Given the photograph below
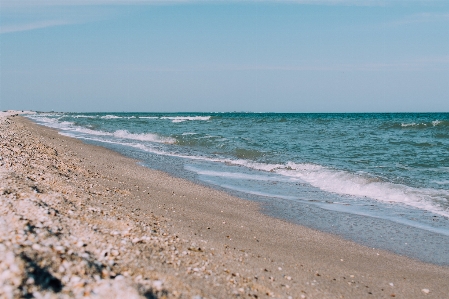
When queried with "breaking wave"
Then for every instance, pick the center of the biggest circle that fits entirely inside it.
(178, 119)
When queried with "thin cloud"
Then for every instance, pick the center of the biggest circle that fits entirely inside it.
(31, 26)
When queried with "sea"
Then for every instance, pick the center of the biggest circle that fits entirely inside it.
(379, 179)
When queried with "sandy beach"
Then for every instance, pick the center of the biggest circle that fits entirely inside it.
(81, 221)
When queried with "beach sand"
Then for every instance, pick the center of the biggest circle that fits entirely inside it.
(78, 220)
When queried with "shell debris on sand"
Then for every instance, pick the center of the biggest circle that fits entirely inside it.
(72, 225)
(55, 243)
(42, 252)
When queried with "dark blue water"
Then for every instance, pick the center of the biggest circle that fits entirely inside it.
(379, 179)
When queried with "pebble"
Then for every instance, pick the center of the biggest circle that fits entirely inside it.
(157, 284)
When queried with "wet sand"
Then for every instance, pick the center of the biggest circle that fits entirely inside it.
(156, 235)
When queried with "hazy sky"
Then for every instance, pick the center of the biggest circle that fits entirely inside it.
(280, 56)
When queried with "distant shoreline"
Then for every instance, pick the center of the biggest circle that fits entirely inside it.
(219, 112)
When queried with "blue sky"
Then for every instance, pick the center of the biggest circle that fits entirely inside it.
(277, 56)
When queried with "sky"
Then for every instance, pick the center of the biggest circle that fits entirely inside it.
(218, 56)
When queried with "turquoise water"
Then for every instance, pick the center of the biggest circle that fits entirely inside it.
(389, 168)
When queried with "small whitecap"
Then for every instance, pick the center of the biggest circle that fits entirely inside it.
(444, 182)
(143, 137)
(110, 117)
(178, 119)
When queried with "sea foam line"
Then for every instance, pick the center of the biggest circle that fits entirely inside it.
(335, 181)
(345, 183)
(336, 207)
(240, 176)
(178, 119)
(124, 134)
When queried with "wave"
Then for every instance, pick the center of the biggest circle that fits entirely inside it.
(240, 176)
(329, 180)
(247, 153)
(178, 119)
(123, 134)
(339, 182)
(174, 119)
(84, 116)
(444, 182)
(346, 183)
(358, 185)
(110, 117)
(143, 137)
(419, 125)
(324, 178)
(52, 122)
(44, 114)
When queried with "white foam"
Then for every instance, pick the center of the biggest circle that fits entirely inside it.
(239, 175)
(47, 121)
(49, 114)
(84, 116)
(444, 182)
(326, 179)
(124, 134)
(110, 117)
(87, 131)
(178, 119)
(254, 165)
(433, 123)
(149, 117)
(66, 123)
(409, 125)
(44, 119)
(143, 137)
(346, 183)
(253, 192)
(69, 126)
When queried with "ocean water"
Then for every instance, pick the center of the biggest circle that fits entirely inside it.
(378, 179)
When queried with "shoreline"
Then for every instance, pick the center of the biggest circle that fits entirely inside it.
(249, 247)
(391, 226)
